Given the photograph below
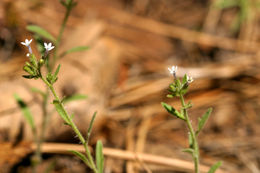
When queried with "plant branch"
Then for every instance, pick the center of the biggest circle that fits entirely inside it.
(195, 145)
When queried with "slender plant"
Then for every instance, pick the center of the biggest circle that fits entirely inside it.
(178, 88)
(33, 68)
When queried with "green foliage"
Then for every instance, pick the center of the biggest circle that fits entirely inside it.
(173, 111)
(179, 88)
(215, 167)
(75, 49)
(81, 156)
(41, 32)
(52, 78)
(90, 126)
(99, 157)
(26, 111)
(188, 150)
(61, 111)
(203, 120)
(74, 97)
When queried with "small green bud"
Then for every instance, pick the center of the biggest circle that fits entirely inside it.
(49, 78)
(29, 70)
(33, 61)
(41, 62)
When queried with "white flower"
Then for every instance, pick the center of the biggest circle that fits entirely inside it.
(27, 54)
(173, 69)
(189, 79)
(48, 47)
(27, 42)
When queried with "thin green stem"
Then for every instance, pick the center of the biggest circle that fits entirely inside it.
(195, 145)
(63, 25)
(73, 126)
(40, 139)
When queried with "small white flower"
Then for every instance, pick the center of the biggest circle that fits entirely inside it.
(173, 69)
(48, 47)
(27, 54)
(189, 79)
(26, 42)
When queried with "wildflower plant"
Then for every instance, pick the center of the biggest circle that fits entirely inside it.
(178, 89)
(33, 68)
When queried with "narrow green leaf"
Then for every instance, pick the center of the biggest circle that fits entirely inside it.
(203, 120)
(74, 98)
(26, 111)
(41, 32)
(81, 156)
(215, 167)
(188, 150)
(169, 96)
(173, 111)
(99, 157)
(54, 77)
(33, 60)
(29, 70)
(178, 83)
(184, 79)
(75, 49)
(90, 126)
(61, 111)
(49, 78)
(28, 76)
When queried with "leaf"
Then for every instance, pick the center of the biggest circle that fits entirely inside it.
(75, 49)
(90, 126)
(173, 111)
(81, 156)
(28, 76)
(41, 32)
(190, 140)
(54, 78)
(74, 98)
(203, 120)
(169, 96)
(99, 156)
(184, 79)
(188, 150)
(178, 83)
(215, 167)
(49, 78)
(33, 60)
(29, 70)
(26, 112)
(61, 111)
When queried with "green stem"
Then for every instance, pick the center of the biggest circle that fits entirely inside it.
(73, 126)
(63, 25)
(195, 145)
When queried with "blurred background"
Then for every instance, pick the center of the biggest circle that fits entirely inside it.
(124, 74)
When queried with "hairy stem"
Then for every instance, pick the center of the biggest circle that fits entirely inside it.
(72, 125)
(195, 145)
